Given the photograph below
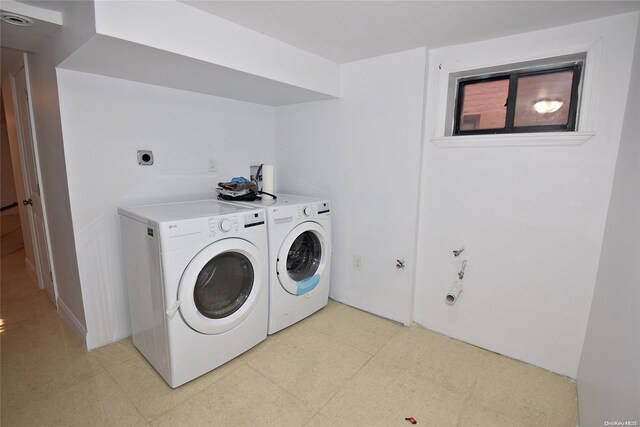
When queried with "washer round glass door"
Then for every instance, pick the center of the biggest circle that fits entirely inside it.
(302, 258)
(220, 286)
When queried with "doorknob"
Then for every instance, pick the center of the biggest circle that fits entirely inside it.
(27, 202)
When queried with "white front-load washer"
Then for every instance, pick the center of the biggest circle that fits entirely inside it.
(299, 231)
(197, 280)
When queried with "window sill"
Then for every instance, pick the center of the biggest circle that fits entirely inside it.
(513, 140)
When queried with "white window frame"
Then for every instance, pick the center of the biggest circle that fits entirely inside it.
(445, 100)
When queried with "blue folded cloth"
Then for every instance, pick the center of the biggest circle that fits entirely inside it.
(239, 180)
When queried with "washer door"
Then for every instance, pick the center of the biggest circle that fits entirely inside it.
(220, 286)
(302, 258)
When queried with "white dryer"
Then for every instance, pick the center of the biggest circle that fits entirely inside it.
(197, 279)
(299, 257)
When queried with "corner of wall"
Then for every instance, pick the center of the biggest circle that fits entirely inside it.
(54, 186)
(73, 322)
(608, 379)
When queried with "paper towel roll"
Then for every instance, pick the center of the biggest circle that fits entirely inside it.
(454, 293)
(268, 179)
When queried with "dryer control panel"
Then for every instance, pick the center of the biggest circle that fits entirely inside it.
(282, 215)
(185, 233)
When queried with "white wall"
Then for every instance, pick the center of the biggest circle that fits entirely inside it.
(363, 151)
(532, 218)
(609, 374)
(171, 44)
(179, 28)
(105, 121)
(78, 25)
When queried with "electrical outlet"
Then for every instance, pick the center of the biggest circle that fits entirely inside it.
(357, 263)
(145, 157)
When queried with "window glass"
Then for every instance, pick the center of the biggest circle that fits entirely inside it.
(543, 99)
(304, 256)
(223, 285)
(484, 105)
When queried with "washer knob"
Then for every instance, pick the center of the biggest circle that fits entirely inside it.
(308, 211)
(225, 225)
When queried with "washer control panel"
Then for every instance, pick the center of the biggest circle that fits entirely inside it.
(312, 210)
(306, 211)
(225, 224)
(253, 219)
(323, 208)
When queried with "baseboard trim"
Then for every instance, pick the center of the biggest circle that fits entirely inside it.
(32, 271)
(71, 320)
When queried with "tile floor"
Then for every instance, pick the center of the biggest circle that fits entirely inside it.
(340, 366)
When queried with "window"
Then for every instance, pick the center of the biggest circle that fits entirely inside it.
(539, 98)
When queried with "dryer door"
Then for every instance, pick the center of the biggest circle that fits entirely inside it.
(221, 286)
(302, 258)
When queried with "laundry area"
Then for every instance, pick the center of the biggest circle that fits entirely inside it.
(320, 213)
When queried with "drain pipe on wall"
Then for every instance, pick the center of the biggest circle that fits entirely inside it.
(456, 287)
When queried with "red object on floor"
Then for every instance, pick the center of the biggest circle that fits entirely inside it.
(411, 420)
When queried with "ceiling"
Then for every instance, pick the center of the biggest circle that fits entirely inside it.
(46, 17)
(55, 5)
(345, 31)
(25, 38)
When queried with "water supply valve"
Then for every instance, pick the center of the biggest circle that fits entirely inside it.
(461, 272)
(457, 252)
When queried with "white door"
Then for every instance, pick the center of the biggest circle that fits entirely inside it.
(33, 198)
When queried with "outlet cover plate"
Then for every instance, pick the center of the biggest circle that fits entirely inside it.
(145, 157)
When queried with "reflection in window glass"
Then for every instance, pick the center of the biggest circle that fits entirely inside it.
(543, 99)
(484, 105)
(540, 98)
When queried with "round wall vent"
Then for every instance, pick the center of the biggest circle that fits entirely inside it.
(19, 20)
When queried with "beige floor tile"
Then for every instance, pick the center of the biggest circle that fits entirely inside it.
(116, 354)
(26, 308)
(476, 415)
(38, 374)
(242, 398)
(48, 351)
(526, 394)
(149, 392)
(357, 328)
(13, 265)
(15, 283)
(448, 362)
(271, 341)
(95, 401)
(37, 335)
(11, 234)
(48, 378)
(384, 395)
(309, 364)
(319, 420)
